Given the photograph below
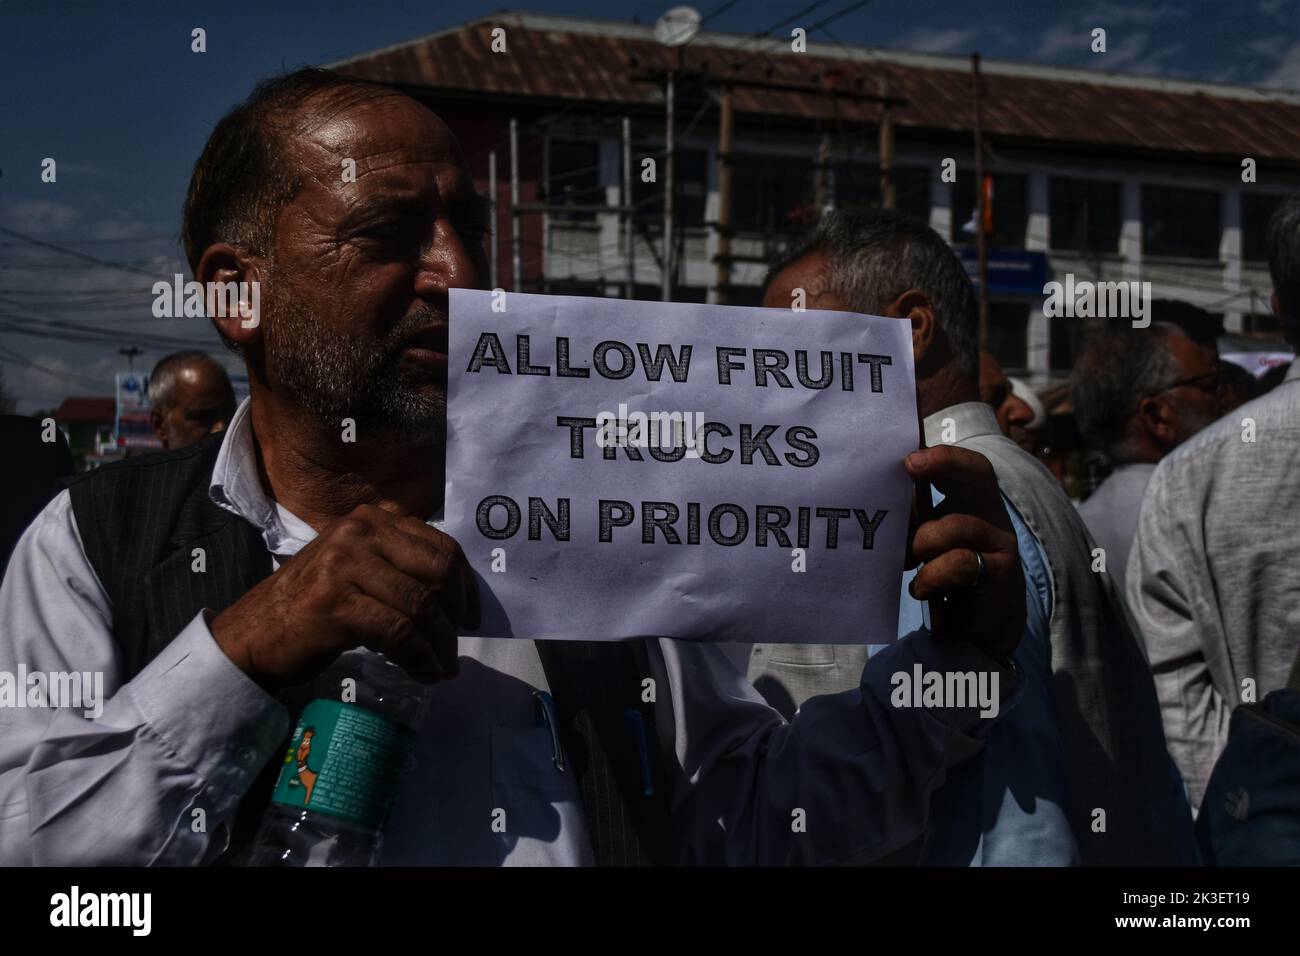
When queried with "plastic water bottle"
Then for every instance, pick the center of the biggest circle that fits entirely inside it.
(344, 765)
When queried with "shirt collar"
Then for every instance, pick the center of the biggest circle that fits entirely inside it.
(969, 420)
(237, 487)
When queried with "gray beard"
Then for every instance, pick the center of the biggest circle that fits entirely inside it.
(336, 376)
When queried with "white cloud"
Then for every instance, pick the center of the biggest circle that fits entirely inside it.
(32, 388)
(1286, 71)
(1061, 37)
(1129, 51)
(1271, 8)
(1229, 74)
(1108, 13)
(1269, 47)
(1072, 35)
(53, 216)
(937, 41)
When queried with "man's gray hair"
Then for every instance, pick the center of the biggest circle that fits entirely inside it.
(1283, 243)
(1116, 369)
(162, 380)
(876, 255)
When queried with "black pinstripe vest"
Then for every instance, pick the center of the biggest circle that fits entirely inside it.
(140, 521)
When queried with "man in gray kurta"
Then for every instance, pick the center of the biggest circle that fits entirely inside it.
(1138, 394)
(1214, 576)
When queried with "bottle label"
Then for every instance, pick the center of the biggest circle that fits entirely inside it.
(344, 761)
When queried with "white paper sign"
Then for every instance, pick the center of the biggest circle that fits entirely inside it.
(776, 511)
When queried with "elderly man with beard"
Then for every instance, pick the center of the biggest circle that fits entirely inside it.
(1138, 394)
(315, 545)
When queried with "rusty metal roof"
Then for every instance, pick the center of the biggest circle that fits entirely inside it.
(558, 59)
(78, 409)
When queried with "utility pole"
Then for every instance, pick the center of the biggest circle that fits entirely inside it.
(516, 253)
(726, 137)
(668, 257)
(493, 241)
(888, 195)
(130, 354)
(822, 190)
(629, 248)
(981, 237)
(724, 259)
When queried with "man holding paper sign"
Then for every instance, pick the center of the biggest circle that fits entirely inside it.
(322, 513)
(709, 472)
(1086, 741)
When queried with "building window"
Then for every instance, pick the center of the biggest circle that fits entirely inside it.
(1009, 334)
(1180, 222)
(859, 184)
(1063, 347)
(573, 179)
(1010, 209)
(772, 193)
(691, 189)
(1261, 323)
(1256, 210)
(1084, 215)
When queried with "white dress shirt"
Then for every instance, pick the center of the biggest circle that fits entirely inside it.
(191, 731)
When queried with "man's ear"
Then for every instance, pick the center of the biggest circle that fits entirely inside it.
(914, 305)
(1159, 422)
(224, 263)
(156, 422)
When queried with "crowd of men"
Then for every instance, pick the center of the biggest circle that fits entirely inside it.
(1125, 632)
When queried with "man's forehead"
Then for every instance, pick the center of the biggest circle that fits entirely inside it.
(808, 272)
(384, 133)
(193, 373)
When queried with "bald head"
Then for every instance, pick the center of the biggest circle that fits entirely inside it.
(190, 396)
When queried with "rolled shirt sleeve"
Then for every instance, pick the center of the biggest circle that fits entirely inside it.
(156, 777)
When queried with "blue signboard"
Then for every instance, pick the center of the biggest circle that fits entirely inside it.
(1011, 271)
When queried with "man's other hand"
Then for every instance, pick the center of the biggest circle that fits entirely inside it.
(981, 599)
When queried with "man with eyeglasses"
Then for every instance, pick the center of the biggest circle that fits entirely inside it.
(1138, 394)
(1214, 576)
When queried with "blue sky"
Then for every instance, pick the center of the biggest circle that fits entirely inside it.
(114, 94)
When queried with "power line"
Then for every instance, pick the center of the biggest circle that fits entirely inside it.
(106, 263)
(73, 292)
(18, 358)
(718, 11)
(97, 242)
